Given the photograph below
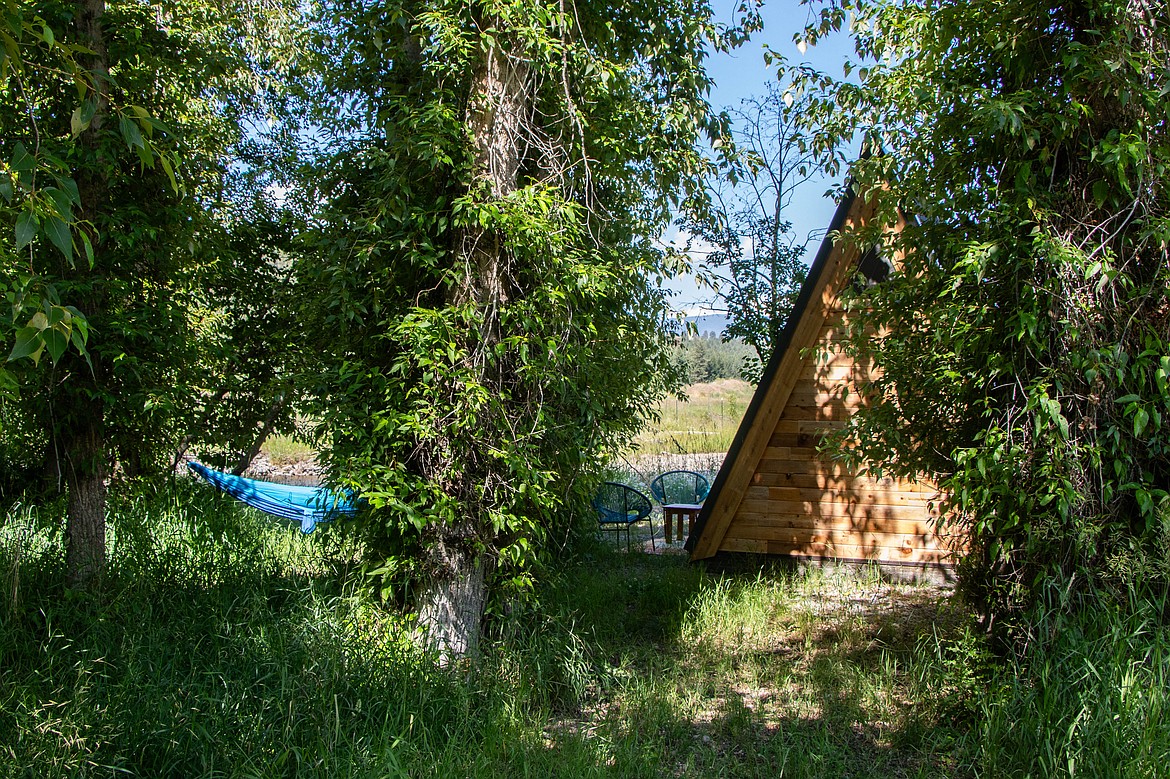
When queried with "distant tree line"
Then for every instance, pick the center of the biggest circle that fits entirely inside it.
(708, 357)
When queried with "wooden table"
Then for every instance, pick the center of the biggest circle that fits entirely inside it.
(676, 512)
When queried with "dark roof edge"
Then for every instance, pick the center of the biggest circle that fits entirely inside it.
(773, 366)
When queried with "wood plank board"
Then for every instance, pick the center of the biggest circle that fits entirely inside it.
(831, 405)
(805, 395)
(780, 508)
(766, 525)
(832, 375)
(743, 545)
(847, 552)
(822, 358)
(838, 264)
(806, 465)
(877, 497)
(840, 549)
(887, 547)
(821, 480)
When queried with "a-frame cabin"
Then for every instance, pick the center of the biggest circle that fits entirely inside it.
(775, 493)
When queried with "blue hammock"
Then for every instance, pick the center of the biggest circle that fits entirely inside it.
(307, 505)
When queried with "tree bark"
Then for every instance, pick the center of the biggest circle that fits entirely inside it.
(450, 609)
(81, 414)
(85, 528)
(496, 116)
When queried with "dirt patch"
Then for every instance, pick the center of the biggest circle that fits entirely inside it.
(304, 472)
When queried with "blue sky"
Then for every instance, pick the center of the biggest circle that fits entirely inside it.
(742, 74)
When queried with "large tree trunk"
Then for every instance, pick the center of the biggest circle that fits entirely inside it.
(85, 528)
(451, 605)
(82, 428)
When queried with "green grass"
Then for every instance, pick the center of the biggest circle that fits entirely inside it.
(1090, 696)
(705, 422)
(224, 645)
(284, 450)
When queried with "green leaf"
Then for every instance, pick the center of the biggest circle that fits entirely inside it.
(62, 202)
(6, 188)
(56, 343)
(22, 161)
(76, 126)
(9, 388)
(26, 229)
(79, 81)
(13, 51)
(88, 111)
(130, 133)
(69, 186)
(1140, 420)
(29, 343)
(145, 155)
(58, 232)
(1100, 192)
(87, 246)
(166, 166)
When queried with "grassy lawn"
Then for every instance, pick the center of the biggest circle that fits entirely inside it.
(225, 645)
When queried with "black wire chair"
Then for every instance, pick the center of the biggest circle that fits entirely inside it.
(680, 487)
(619, 506)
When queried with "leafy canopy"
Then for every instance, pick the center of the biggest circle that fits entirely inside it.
(485, 346)
(1026, 340)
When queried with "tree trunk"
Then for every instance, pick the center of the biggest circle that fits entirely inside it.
(81, 414)
(450, 608)
(497, 113)
(85, 528)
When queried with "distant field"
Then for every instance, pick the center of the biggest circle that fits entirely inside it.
(705, 422)
(284, 450)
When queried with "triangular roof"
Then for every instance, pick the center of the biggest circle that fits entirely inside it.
(832, 267)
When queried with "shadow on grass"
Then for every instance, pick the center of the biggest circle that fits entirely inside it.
(225, 648)
(758, 673)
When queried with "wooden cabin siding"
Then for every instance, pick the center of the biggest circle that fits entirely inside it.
(776, 494)
(803, 503)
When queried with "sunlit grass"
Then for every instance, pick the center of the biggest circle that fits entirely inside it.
(705, 421)
(223, 644)
(285, 450)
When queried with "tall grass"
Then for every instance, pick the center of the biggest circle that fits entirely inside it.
(284, 450)
(1089, 697)
(222, 644)
(704, 422)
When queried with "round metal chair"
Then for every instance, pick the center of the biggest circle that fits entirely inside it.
(680, 487)
(619, 506)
